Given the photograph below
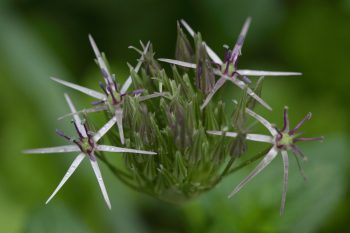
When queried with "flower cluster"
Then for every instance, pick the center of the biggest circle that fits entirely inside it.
(172, 117)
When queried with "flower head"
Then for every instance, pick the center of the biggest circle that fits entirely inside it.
(112, 98)
(281, 140)
(227, 69)
(87, 145)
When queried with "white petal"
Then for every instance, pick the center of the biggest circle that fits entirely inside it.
(266, 73)
(260, 138)
(244, 86)
(151, 96)
(266, 161)
(105, 129)
(216, 59)
(285, 180)
(262, 121)
(123, 150)
(210, 52)
(128, 82)
(216, 87)
(82, 89)
(251, 137)
(76, 117)
(220, 133)
(100, 59)
(179, 63)
(98, 175)
(119, 118)
(239, 44)
(58, 149)
(187, 27)
(70, 171)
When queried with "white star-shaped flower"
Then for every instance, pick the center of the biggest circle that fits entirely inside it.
(227, 69)
(111, 99)
(87, 146)
(281, 141)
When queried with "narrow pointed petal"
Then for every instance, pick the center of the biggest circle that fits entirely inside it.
(84, 111)
(105, 129)
(250, 92)
(76, 117)
(100, 60)
(260, 138)
(266, 161)
(213, 56)
(187, 27)
(128, 82)
(179, 63)
(267, 73)
(220, 133)
(252, 137)
(49, 150)
(262, 121)
(82, 89)
(119, 120)
(240, 41)
(123, 150)
(285, 180)
(98, 175)
(70, 171)
(151, 96)
(216, 87)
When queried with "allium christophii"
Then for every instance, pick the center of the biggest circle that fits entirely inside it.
(176, 120)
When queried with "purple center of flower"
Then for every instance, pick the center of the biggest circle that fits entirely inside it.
(86, 143)
(287, 138)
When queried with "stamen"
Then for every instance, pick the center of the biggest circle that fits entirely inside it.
(97, 102)
(86, 128)
(103, 87)
(285, 120)
(114, 82)
(307, 117)
(77, 129)
(309, 139)
(298, 152)
(112, 95)
(279, 133)
(60, 133)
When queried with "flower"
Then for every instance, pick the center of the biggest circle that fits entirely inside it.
(111, 99)
(282, 140)
(227, 69)
(87, 145)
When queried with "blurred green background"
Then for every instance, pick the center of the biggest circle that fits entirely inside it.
(41, 38)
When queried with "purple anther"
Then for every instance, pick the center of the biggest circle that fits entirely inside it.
(307, 117)
(285, 120)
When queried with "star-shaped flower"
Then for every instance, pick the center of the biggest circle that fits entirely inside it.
(111, 99)
(87, 145)
(281, 140)
(227, 69)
